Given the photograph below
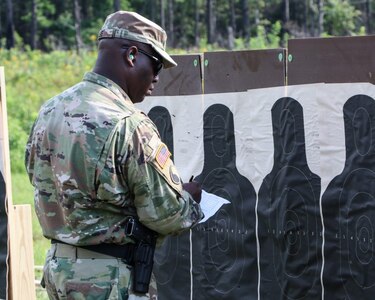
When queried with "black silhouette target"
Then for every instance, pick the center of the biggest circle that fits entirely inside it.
(349, 209)
(224, 247)
(172, 259)
(288, 224)
(223, 254)
(289, 215)
(359, 216)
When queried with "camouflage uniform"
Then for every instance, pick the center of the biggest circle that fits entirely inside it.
(94, 160)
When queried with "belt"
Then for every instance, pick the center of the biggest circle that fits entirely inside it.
(103, 251)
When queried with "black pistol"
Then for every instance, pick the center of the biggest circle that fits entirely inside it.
(145, 239)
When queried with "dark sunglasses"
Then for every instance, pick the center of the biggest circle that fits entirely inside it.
(157, 63)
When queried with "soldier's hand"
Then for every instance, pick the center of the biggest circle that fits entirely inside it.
(194, 189)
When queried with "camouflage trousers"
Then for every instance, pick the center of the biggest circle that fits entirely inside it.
(74, 273)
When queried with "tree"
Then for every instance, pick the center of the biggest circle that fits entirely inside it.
(286, 11)
(211, 21)
(1, 24)
(196, 23)
(232, 14)
(232, 26)
(246, 22)
(34, 24)
(62, 24)
(368, 16)
(10, 25)
(340, 18)
(153, 10)
(162, 14)
(170, 23)
(321, 17)
(116, 5)
(77, 25)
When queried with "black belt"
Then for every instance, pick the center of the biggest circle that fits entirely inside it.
(125, 252)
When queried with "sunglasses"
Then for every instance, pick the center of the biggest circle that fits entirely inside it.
(157, 63)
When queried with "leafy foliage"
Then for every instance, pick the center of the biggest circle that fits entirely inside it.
(187, 21)
(32, 77)
(341, 18)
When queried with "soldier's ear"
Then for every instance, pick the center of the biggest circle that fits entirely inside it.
(131, 55)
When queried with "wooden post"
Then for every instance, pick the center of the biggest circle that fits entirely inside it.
(20, 243)
(22, 284)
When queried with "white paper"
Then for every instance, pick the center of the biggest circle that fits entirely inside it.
(210, 204)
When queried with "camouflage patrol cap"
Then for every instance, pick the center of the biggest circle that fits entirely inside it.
(132, 26)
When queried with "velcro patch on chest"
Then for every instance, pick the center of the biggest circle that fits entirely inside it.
(162, 155)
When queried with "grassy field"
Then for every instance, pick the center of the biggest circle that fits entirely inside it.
(32, 77)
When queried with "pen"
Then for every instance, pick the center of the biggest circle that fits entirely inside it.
(191, 178)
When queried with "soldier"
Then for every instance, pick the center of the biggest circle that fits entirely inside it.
(101, 173)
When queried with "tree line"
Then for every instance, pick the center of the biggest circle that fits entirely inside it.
(191, 24)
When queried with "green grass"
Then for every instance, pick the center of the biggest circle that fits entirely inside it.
(32, 77)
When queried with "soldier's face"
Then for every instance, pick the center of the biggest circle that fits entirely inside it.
(148, 68)
(157, 62)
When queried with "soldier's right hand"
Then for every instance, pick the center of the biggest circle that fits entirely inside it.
(194, 189)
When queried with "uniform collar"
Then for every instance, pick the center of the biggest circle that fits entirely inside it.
(107, 83)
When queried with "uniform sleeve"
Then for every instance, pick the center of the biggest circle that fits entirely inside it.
(29, 155)
(161, 203)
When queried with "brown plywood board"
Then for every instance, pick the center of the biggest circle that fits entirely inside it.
(237, 71)
(185, 79)
(331, 60)
(21, 253)
(17, 235)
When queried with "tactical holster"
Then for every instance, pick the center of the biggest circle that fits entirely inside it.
(144, 254)
(139, 255)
